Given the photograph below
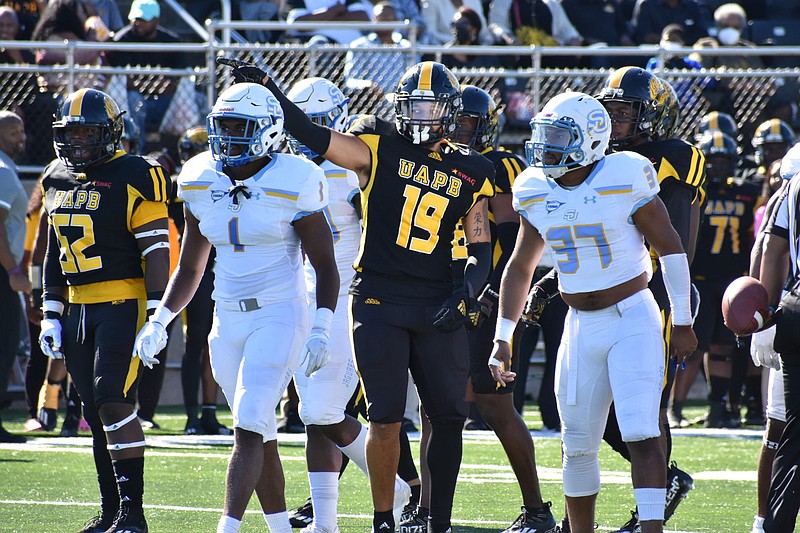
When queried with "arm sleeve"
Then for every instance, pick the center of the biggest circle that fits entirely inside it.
(478, 265)
(678, 201)
(53, 275)
(506, 237)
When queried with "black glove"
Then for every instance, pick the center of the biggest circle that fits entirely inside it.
(243, 72)
(453, 313)
(481, 309)
(534, 306)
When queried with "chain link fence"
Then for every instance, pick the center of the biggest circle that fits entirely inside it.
(367, 76)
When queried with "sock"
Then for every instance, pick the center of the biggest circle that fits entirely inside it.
(228, 524)
(416, 492)
(109, 493)
(718, 388)
(444, 461)
(383, 522)
(677, 408)
(406, 468)
(357, 450)
(423, 512)
(130, 480)
(209, 412)
(325, 496)
(277, 522)
(49, 396)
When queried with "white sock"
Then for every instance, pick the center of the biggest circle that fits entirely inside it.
(758, 524)
(324, 496)
(357, 450)
(228, 524)
(278, 522)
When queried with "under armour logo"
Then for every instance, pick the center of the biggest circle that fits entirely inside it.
(587, 199)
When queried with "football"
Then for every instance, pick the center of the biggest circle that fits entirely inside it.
(745, 306)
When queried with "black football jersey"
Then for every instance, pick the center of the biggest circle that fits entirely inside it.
(412, 204)
(507, 166)
(93, 214)
(726, 233)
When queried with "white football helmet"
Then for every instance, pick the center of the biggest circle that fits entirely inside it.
(572, 130)
(324, 104)
(263, 126)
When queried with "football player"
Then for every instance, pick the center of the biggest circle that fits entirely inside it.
(256, 208)
(107, 263)
(478, 128)
(325, 394)
(196, 364)
(415, 187)
(771, 141)
(723, 254)
(644, 111)
(578, 204)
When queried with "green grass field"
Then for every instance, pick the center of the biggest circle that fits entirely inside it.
(49, 484)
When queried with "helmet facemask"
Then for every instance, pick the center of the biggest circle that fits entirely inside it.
(237, 143)
(555, 146)
(426, 118)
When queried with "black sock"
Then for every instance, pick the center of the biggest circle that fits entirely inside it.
(383, 522)
(718, 388)
(209, 412)
(416, 492)
(130, 481)
(109, 495)
(406, 468)
(444, 461)
(423, 512)
(677, 408)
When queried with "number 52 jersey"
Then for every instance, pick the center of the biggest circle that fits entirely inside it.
(588, 230)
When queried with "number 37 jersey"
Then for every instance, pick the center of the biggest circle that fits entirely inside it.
(589, 231)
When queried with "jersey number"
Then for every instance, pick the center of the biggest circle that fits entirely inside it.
(233, 234)
(423, 212)
(562, 240)
(720, 223)
(73, 259)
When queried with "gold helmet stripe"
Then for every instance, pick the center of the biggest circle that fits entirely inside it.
(616, 77)
(425, 74)
(77, 103)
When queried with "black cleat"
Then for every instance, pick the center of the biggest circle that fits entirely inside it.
(70, 426)
(193, 427)
(679, 483)
(48, 418)
(213, 427)
(631, 526)
(291, 423)
(11, 438)
(129, 521)
(540, 522)
(302, 516)
(97, 524)
(414, 524)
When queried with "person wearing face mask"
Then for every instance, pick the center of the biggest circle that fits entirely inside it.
(730, 20)
(465, 28)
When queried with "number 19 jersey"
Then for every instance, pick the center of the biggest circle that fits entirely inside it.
(411, 204)
(588, 230)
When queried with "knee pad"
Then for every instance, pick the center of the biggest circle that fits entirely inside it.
(319, 412)
(581, 474)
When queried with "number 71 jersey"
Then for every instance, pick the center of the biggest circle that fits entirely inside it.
(588, 230)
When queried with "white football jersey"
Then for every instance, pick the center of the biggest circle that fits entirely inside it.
(588, 230)
(258, 251)
(345, 226)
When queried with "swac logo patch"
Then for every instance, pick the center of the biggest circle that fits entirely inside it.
(597, 121)
(552, 205)
(216, 196)
(435, 155)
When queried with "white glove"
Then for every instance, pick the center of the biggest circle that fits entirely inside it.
(762, 351)
(316, 350)
(50, 338)
(149, 342)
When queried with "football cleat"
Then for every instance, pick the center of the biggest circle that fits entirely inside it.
(32, 424)
(193, 427)
(302, 516)
(213, 427)
(408, 511)
(540, 522)
(97, 524)
(70, 426)
(414, 524)
(128, 521)
(679, 483)
(676, 420)
(48, 418)
(631, 526)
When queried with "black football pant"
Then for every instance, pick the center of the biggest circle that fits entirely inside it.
(784, 490)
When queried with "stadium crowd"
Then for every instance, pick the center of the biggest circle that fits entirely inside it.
(468, 253)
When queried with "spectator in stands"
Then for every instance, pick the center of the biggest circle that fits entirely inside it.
(438, 15)
(262, 11)
(651, 16)
(534, 22)
(328, 11)
(782, 9)
(28, 13)
(10, 31)
(382, 70)
(465, 28)
(108, 11)
(410, 10)
(13, 278)
(730, 22)
(600, 22)
(148, 100)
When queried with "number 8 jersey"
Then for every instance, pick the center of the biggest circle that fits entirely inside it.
(588, 230)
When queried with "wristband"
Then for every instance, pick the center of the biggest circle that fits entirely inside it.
(323, 318)
(163, 316)
(504, 331)
(14, 271)
(53, 306)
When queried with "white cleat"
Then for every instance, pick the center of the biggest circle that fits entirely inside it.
(402, 493)
(313, 528)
